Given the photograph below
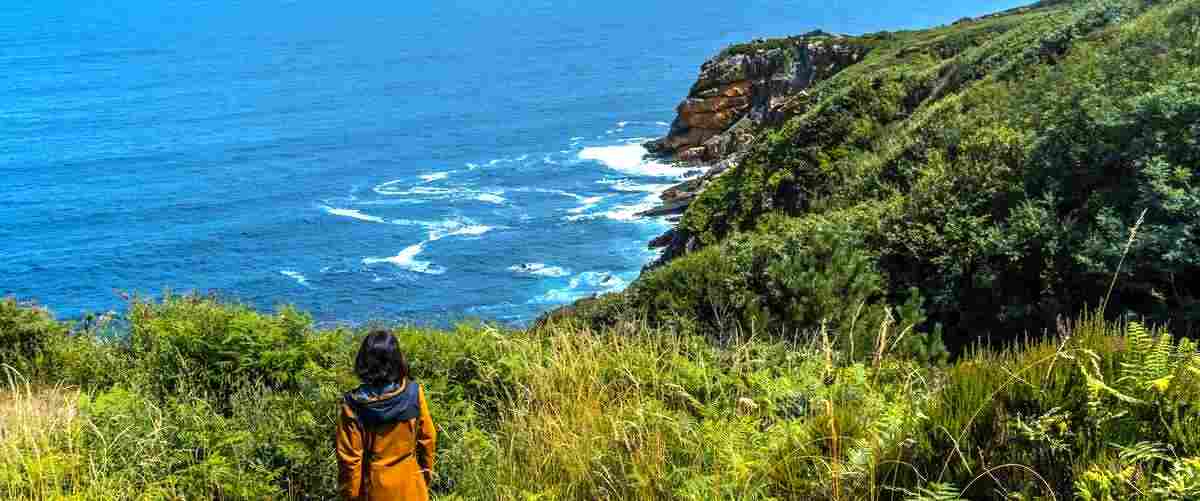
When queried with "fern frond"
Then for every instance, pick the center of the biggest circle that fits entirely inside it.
(935, 491)
(1142, 452)
(1158, 363)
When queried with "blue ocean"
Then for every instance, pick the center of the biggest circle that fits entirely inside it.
(412, 161)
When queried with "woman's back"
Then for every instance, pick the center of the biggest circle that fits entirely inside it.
(385, 442)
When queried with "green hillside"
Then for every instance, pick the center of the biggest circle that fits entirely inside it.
(989, 172)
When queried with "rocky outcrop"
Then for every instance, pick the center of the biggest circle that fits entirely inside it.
(740, 92)
(744, 88)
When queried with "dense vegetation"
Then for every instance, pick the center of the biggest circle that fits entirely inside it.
(210, 400)
(880, 310)
(996, 166)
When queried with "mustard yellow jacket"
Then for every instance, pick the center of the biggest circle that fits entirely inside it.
(385, 444)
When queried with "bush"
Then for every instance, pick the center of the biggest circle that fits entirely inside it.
(26, 334)
(196, 343)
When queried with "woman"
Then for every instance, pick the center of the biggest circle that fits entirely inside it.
(385, 437)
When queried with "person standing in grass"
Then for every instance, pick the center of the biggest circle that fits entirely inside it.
(385, 437)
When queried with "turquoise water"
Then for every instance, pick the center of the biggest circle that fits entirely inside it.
(401, 160)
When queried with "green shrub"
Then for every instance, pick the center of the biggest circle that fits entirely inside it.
(202, 344)
(26, 334)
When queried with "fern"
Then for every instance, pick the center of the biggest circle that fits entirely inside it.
(1142, 452)
(1153, 362)
(935, 491)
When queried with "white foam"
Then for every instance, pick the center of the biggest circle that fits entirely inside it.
(353, 213)
(627, 185)
(472, 231)
(555, 192)
(626, 213)
(428, 191)
(629, 159)
(387, 189)
(588, 203)
(407, 259)
(297, 276)
(424, 193)
(435, 176)
(539, 269)
(664, 124)
(582, 285)
(603, 280)
(559, 192)
(455, 227)
(621, 125)
(491, 198)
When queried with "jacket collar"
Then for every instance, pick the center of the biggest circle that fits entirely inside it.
(376, 406)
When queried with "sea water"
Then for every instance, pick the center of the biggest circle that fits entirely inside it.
(420, 161)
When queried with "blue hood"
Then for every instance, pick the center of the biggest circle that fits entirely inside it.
(377, 406)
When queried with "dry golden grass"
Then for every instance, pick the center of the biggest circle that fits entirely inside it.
(38, 453)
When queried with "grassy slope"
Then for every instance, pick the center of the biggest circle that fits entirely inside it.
(210, 400)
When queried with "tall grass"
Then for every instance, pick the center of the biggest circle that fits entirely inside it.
(631, 412)
(36, 456)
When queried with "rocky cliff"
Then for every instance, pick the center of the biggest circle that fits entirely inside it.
(745, 88)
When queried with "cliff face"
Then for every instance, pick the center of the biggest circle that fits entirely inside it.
(742, 91)
(745, 88)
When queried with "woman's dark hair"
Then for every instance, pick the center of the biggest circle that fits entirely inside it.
(379, 361)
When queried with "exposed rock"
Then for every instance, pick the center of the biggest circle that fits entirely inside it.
(738, 93)
(718, 120)
(676, 206)
(662, 240)
(713, 104)
(695, 154)
(681, 190)
(693, 137)
(724, 70)
(753, 84)
(737, 89)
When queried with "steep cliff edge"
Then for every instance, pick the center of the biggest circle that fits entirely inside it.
(745, 88)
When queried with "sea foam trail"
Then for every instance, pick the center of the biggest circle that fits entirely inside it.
(539, 269)
(630, 159)
(427, 191)
(438, 231)
(353, 213)
(491, 198)
(628, 186)
(436, 176)
(588, 203)
(406, 259)
(424, 193)
(297, 276)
